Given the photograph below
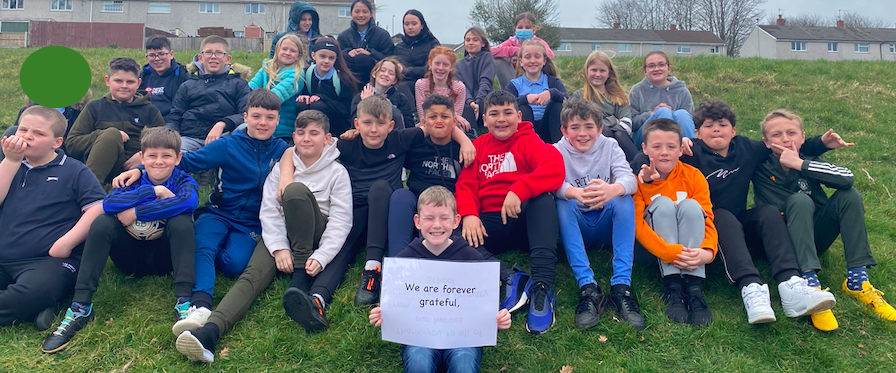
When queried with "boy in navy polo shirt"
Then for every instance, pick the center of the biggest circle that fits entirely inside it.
(162, 194)
(47, 203)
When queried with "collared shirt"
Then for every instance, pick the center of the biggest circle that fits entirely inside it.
(525, 87)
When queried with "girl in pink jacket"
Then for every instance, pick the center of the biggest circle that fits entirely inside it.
(505, 54)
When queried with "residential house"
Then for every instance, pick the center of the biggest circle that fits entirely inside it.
(780, 41)
(626, 43)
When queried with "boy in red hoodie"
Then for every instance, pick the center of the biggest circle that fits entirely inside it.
(511, 179)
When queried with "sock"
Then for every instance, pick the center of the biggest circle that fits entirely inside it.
(855, 277)
(81, 309)
(812, 277)
(321, 299)
(208, 336)
(691, 281)
(182, 300)
(673, 281)
(372, 264)
(300, 280)
(202, 299)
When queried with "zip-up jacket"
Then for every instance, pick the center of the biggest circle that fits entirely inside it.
(413, 52)
(287, 89)
(612, 114)
(511, 47)
(292, 27)
(130, 117)
(161, 89)
(142, 197)
(772, 185)
(376, 41)
(205, 99)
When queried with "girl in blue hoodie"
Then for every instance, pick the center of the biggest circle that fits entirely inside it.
(659, 95)
(283, 76)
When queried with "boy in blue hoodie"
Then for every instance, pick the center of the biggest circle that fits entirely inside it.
(162, 75)
(163, 196)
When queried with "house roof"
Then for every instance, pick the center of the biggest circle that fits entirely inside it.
(830, 33)
(651, 36)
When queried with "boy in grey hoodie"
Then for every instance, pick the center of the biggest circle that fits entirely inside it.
(595, 207)
(660, 95)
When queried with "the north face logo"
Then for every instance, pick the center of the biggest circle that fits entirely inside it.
(497, 164)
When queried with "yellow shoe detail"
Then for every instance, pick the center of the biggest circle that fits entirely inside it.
(873, 298)
(824, 321)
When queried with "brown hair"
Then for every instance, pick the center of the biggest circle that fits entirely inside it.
(398, 68)
(548, 67)
(159, 138)
(582, 109)
(780, 113)
(527, 16)
(377, 105)
(479, 32)
(614, 89)
(307, 117)
(655, 53)
(712, 108)
(662, 124)
(437, 196)
(125, 64)
(263, 98)
(58, 124)
(447, 52)
(346, 77)
(214, 39)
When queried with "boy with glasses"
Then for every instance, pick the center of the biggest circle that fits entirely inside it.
(162, 75)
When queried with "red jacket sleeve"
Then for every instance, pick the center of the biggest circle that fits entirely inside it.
(467, 189)
(548, 170)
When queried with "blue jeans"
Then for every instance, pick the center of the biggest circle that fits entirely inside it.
(402, 207)
(684, 119)
(223, 244)
(615, 224)
(458, 360)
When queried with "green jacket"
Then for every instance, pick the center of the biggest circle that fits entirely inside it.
(130, 117)
(772, 185)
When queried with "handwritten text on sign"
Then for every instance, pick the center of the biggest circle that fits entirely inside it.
(439, 304)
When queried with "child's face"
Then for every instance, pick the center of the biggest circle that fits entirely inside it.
(664, 148)
(472, 43)
(440, 67)
(502, 121)
(324, 59)
(373, 130)
(385, 76)
(598, 72)
(656, 69)
(159, 59)
(440, 120)
(305, 22)
(412, 25)
(288, 54)
(784, 132)
(310, 141)
(159, 163)
(360, 14)
(38, 135)
(436, 223)
(214, 58)
(261, 122)
(582, 133)
(532, 60)
(525, 24)
(122, 85)
(716, 134)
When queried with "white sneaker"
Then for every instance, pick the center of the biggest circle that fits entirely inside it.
(190, 346)
(800, 299)
(196, 318)
(758, 303)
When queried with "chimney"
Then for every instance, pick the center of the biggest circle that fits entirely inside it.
(780, 21)
(672, 27)
(616, 25)
(840, 23)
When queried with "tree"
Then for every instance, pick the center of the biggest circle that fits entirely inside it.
(849, 18)
(854, 19)
(730, 20)
(647, 14)
(803, 19)
(496, 18)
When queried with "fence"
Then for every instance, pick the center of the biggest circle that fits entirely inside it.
(86, 35)
(13, 40)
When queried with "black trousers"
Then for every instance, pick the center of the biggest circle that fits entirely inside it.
(739, 236)
(548, 128)
(174, 251)
(624, 140)
(29, 286)
(475, 121)
(537, 229)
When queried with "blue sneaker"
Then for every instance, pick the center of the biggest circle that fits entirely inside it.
(514, 290)
(541, 308)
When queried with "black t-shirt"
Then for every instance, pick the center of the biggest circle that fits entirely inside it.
(432, 164)
(459, 251)
(43, 204)
(366, 166)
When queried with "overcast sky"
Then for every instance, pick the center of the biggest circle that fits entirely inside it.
(449, 19)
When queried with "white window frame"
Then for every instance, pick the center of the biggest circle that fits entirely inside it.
(61, 5)
(656, 47)
(259, 8)
(624, 48)
(715, 49)
(683, 49)
(112, 6)
(209, 8)
(239, 34)
(892, 48)
(857, 47)
(8, 5)
(160, 7)
(565, 47)
(345, 12)
(799, 46)
(595, 46)
(833, 47)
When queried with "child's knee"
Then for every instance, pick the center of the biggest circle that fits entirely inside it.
(799, 202)
(402, 198)
(621, 204)
(296, 191)
(662, 206)
(662, 112)
(851, 196)
(380, 189)
(179, 226)
(690, 209)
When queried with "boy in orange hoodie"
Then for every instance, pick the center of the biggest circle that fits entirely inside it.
(673, 221)
(505, 196)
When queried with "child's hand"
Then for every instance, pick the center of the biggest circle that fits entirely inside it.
(283, 259)
(473, 230)
(503, 319)
(376, 317)
(789, 159)
(475, 107)
(349, 135)
(303, 99)
(532, 98)
(61, 249)
(14, 148)
(353, 52)
(162, 192)
(833, 141)
(661, 105)
(132, 162)
(312, 99)
(511, 208)
(599, 192)
(573, 193)
(691, 259)
(127, 217)
(467, 154)
(215, 132)
(312, 267)
(463, 124)
(648, 173)
(363, 51)
(126, 178)
(367, 91)
(124, 136)
(686, 145)
(543, 98)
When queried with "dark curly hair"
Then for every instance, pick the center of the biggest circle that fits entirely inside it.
(713, 109)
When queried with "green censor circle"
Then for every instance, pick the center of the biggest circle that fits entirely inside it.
(55, 76)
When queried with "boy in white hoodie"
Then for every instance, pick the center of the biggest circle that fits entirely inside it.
(595, 207)
(302, 231)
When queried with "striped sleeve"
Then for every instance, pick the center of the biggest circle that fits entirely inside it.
(122, 199)
(185, 200)
(828, 174)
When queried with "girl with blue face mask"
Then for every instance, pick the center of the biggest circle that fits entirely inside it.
(525, 26)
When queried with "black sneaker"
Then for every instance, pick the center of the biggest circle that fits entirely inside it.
(59, 339)
(700, 314)
(198, 345)
(44, 319)
(305, 310)
(592, 303)
(369, 292)
(675, 307)
(626, 306)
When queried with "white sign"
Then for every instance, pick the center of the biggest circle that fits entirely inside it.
(440, 304)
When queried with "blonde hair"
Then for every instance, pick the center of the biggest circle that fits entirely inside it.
(548, 67)
(377, 106)
(780, 113)
(57, 121)
(214, 39)
(447, 52)
(272, 66)
(614, 89)
(437, 196)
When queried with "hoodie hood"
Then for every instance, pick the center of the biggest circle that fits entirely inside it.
(295, 14)
(241, 71)
(139, 100)
(327, 157)
(457, 250)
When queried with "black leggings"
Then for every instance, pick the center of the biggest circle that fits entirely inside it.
(759, 227)
(548, 128)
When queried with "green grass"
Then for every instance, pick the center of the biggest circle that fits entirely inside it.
(132, 332)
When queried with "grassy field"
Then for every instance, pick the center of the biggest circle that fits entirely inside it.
(132, 331)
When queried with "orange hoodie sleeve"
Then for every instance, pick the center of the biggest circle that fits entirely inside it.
(644, 234)
(699, 191)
